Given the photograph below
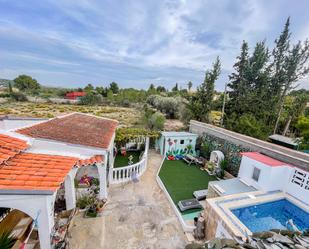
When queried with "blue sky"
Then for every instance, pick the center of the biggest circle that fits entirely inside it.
(136, 42)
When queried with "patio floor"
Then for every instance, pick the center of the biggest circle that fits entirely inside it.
(182, 180)
(137, 216)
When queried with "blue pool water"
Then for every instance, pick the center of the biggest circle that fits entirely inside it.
(272, 215)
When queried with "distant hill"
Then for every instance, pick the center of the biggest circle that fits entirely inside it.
(5, 82)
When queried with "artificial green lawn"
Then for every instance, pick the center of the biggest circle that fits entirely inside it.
(182, 180)
(122, 161)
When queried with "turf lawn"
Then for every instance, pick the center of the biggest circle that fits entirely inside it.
(182, 180)
(122, 161)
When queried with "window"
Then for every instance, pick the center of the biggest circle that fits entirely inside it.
(182, 141)
(256, 174)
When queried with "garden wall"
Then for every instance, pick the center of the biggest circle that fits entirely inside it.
(231, 143)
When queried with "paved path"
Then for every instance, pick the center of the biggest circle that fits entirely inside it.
(140, 216)
(137, 216)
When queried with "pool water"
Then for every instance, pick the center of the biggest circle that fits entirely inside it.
(191, 216)
(272, 215)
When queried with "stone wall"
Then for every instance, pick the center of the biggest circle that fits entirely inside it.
(212, 220)
(294, 157)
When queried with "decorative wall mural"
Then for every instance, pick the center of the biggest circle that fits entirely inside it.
(230, 150)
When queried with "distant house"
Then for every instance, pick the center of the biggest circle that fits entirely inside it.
(74, 95)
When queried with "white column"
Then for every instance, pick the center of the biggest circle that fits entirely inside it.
(103, 180)
(69, 187)
(45, 222)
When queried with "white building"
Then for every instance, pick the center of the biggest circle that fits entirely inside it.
(177, 143)
(268, 174)
(37, 156)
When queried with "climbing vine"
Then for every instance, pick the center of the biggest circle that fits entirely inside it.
(231, 151)
(124, 135)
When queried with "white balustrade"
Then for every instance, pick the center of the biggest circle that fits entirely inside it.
(128, 173)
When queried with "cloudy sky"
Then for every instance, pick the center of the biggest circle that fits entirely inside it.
(136, 42)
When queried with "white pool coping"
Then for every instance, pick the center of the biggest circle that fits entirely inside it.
(224, 205)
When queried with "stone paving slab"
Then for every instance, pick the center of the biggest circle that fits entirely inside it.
(141, 217)
(137, 216)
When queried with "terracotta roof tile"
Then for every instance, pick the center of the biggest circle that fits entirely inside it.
(90, 161)
(28, 171)
(10, 146)
(76, 128)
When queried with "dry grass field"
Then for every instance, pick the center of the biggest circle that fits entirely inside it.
(125, 116)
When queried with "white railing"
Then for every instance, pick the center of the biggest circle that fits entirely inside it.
(131, 172)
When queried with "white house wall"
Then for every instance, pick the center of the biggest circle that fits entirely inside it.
(275, 178)
(8, 124)
(39, 207)
(63, 149)
(300, 192)
(246, 170)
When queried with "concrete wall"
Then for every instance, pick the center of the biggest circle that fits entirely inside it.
(281, 153)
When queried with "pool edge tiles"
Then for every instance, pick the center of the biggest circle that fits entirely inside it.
(224, 206)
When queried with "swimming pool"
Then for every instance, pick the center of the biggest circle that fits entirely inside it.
(273, 215)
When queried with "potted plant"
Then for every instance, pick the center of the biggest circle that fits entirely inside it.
(210, 168)
(92, 211)
(223, 166)
(100, 205)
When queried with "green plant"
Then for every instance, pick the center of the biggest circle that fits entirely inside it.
(18, 96)
(85, 201)
(7, 241)
(210, 166)
(92, 212)
(205, 150)
(223, 166)
(189, 149)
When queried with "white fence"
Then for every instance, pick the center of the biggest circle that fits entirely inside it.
(131, 172)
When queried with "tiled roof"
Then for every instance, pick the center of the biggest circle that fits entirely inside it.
(263, 159)
(36, 172)
(10, 146)
(76, 128)
(90, 161)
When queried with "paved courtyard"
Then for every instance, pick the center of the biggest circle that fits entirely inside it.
(137, 216)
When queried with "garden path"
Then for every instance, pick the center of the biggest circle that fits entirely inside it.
(137, 216)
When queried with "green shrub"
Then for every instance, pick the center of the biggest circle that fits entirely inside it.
(18, 96)
(91, 99)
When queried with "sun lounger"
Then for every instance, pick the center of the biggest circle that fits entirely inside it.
(189, 204)
(200, 194)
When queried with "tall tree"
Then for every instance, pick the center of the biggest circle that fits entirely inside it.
(89, 88)
(238, 83)
(294, 67)
(114, 87)
(190, 86)
(26, 83)
(175, 88)
(200, 104)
